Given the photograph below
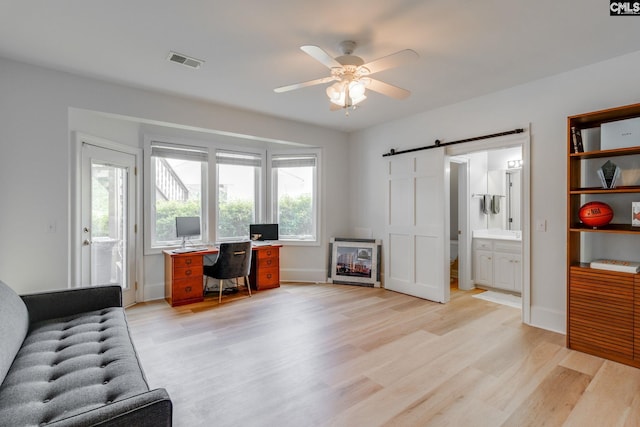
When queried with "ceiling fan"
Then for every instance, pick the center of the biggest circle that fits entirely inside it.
(351, 75)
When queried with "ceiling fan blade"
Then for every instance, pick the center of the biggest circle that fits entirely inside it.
(303, 84)
(321, 56)
(391, 61)
(387, 89)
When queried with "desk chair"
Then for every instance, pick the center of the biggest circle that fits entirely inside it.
(234, 260)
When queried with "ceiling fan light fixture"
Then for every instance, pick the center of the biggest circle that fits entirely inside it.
(346, 94)
(351, 75)
(336, 93)
(356, 89)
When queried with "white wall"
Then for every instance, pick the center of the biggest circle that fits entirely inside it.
(38, 110)
(545, 104)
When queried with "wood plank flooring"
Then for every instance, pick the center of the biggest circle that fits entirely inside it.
(336, 355)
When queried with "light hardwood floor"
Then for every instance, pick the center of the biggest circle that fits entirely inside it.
(336, 355)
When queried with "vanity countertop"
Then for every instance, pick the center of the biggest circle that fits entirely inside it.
(498, 234)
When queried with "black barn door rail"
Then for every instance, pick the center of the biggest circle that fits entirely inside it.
(393, 152)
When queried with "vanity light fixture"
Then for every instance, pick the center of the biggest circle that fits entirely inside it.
(514, 164)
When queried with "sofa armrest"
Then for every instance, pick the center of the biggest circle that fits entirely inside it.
(51, 305)
(150, 409)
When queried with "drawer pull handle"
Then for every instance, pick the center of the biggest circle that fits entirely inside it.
(269, 253)
(269, 276)
(188, 260)
(269, 262)
(188, 289)
(188, 272)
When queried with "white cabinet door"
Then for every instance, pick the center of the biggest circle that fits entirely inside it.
(507, 271)
(483, 267)
(503, 274)
(517, 273)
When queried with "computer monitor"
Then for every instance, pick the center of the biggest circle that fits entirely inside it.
(263, 232)
(187, 226)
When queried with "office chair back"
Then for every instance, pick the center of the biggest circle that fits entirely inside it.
(234, 260)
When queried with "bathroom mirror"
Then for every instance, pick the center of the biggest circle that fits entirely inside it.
(503, 169)
(504, 186)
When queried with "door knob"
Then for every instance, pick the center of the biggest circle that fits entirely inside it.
(86, 242)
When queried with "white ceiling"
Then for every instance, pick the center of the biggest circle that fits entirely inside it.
(467, 48)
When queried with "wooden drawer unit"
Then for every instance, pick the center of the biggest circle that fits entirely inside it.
(265, 268)
(183, 279)
(636, 319)
(601, 313)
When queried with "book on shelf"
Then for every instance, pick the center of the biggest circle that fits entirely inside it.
(616, 265)
(576, 139)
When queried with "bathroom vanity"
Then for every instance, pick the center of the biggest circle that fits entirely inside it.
(497, 259)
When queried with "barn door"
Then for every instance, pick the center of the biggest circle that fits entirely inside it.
(417, 212)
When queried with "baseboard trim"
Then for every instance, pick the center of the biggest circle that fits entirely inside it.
(303, 275)
(154, 291)
(551, 320)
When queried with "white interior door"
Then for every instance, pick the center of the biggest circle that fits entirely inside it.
(417, 216)
(108, 219)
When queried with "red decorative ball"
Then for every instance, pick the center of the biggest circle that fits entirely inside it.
(595, 214)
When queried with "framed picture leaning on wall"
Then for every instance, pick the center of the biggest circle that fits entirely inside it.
(354, 261)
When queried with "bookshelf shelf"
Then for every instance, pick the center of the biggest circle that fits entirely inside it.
(600, 190)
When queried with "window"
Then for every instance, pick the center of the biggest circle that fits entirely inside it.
(178, 175)
(238, 181)
(295, 195)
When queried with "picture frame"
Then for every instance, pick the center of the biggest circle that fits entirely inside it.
(354, 261)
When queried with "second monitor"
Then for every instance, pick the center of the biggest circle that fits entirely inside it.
(264, 232)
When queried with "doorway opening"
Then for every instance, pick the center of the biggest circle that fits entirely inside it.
(489, 218)
(106, 248)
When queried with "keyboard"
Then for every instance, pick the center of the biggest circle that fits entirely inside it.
(191, 249)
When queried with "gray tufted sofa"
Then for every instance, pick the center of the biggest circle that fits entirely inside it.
(66, 359)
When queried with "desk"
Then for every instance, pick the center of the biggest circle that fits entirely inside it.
(183, 273)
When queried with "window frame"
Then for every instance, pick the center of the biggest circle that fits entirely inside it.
(272, 208)
(259, 187)
(150, 245)
(266, 189)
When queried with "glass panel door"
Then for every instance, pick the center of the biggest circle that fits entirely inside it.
(108, 225)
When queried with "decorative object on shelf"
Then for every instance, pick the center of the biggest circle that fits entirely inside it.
(576, 138)
(609, 174)
(355, 261)
(595, 214)
(635, 214)
(620, 134)
(616, 265)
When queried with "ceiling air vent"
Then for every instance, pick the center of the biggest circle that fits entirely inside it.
(185, 60)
